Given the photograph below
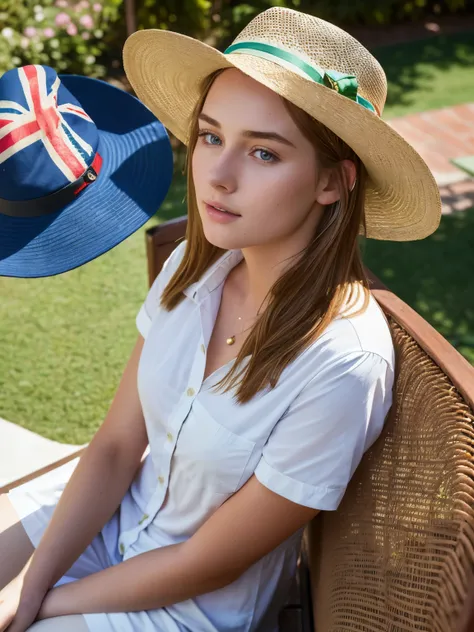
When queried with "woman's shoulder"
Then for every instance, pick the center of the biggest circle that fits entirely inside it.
(357, 330)
(153, 298)
(354, 352)
(171, 264)
(168, 269)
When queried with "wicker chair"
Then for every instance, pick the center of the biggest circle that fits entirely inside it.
(398, 554)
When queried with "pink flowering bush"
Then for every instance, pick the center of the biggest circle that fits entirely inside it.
(67, 35)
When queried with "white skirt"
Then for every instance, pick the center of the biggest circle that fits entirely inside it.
(35, 502)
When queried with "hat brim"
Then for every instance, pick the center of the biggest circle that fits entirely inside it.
(167, 69)
(133, 182)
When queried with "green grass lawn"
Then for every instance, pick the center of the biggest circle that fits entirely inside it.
(65, 340)
(428, 74)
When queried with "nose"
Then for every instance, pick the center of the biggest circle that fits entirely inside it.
(223, 173)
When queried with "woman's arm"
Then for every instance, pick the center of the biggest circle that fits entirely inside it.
(245, 528)
(97, 486)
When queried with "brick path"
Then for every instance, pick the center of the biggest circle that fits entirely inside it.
(438, 136)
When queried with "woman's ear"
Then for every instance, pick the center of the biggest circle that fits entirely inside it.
(328, 190)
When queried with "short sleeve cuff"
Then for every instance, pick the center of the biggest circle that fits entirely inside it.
(143, 322)
(322, 498)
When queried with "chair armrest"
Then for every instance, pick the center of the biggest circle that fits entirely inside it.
(43, 470)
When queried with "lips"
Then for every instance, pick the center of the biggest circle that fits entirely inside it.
(223, 209)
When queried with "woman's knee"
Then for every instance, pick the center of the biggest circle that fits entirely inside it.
(70, 623)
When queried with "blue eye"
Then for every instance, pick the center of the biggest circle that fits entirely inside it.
(266, 156)
(209, 138)
(212, 139)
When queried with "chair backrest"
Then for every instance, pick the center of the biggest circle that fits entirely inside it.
(398, 554)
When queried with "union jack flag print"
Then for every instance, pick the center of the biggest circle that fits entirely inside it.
(42, 120)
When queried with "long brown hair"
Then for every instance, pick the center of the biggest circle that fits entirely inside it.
(312, 292)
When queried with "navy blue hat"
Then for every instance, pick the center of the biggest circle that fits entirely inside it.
(82, 166)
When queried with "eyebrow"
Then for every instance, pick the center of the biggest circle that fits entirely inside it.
(250, 133)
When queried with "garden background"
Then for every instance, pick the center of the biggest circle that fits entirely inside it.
(64, 340)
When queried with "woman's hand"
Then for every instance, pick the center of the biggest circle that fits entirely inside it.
(17, 610)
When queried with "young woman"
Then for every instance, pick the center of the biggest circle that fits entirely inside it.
(263, 369)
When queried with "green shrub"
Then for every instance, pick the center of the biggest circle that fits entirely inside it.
(38, 33)
(233, 17)
(69, 37)
(190, 17)
(384, 11)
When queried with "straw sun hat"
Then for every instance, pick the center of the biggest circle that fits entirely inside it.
(318, 67)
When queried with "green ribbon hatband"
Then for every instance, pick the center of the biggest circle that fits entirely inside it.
(343, 83)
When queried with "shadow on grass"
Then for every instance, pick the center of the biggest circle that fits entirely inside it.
(412, 65)
(435, 276)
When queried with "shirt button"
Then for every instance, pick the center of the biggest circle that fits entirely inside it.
(203, 348)
(161, 480)
(143, 518)
(190, 392)
(122, 548)
(169, 436)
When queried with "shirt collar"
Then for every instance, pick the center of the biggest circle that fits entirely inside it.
(214, 276)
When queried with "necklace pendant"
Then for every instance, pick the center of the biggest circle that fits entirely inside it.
(231, 340)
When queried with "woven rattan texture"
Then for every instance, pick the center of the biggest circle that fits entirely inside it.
(398, 555)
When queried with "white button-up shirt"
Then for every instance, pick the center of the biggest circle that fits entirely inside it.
(303, 439)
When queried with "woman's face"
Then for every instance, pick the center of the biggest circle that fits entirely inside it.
(252, 161)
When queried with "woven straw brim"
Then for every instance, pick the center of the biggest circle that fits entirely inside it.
(167, 69)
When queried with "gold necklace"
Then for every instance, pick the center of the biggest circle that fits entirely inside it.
(231, 340)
